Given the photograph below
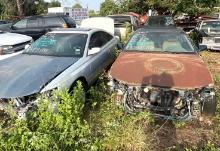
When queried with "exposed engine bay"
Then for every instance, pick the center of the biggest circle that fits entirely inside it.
(19, 106)
(164, 102)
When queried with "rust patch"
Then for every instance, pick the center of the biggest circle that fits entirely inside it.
(179, 71)
(169, 66)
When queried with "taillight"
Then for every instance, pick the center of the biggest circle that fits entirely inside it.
(65, 26)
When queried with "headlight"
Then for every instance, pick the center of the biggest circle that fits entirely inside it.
(6, 49)
(208, 40)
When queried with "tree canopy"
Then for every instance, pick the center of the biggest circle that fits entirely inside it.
(191, 7)
(54, 3)
(77, 5)
(19, 8)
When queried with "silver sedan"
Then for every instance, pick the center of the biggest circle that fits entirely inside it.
(56, 60)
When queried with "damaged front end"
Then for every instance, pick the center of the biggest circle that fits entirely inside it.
(167, 103)
(18, 106)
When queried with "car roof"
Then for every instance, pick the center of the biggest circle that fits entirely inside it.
(76, 30)
(72, 30)
(49, 15)
(166, 29)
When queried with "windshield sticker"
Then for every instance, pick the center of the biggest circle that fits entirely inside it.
(77, 51)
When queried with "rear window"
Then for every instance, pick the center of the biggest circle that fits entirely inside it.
(53, 21)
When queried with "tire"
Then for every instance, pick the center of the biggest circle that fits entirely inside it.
(209, 107)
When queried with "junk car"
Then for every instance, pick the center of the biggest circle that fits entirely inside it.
(160, 70)
(57, 60)
(122, 21)
(208, 33)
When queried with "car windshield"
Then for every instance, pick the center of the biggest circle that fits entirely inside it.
(59, 44)
(160, 42)
(211, 24)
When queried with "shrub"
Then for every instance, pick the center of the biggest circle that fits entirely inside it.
(56, 125)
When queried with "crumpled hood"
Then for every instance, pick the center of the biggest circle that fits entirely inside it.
(177, 71)
(23, 75)
(13, 39)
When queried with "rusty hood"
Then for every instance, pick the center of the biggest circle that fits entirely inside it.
(178, 71)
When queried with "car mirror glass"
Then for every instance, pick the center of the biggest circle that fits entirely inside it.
(94, 50)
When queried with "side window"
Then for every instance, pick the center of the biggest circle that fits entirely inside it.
(106, 37)
(53, 21)
(95, 41)
(20, 24)
(31, 23)
(99, 39)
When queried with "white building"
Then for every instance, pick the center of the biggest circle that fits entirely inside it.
(77, 14)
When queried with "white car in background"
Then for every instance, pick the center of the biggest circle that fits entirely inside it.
(11, 43)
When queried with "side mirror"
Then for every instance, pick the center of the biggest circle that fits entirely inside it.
(202, 48)
(27, 46)
(94, 50)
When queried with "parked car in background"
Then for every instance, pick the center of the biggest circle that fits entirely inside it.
(57, 60)
(161, 70)
(11, 42)
(5, 25)
(186, 22)
(122, 21)
(36, 26)
(160, 21)
(208, 33)
(4, 22)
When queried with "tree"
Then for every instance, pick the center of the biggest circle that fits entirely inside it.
(77, 5)
(109, 7)
(172, 7)
(92, 13)
(20, 7)
(9, 8)
(1, 8)
(137, 6)
(54, 3)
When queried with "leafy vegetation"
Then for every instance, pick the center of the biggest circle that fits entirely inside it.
(191, 7)
(56, 125)
(13, 9)
(113, 128)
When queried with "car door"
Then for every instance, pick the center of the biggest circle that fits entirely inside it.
(53, 23)
(99, 61)
(19, 27)
(35, 27)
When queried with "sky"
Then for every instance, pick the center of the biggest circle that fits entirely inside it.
(92, 4)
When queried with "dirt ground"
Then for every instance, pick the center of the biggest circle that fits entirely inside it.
(193, 134)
